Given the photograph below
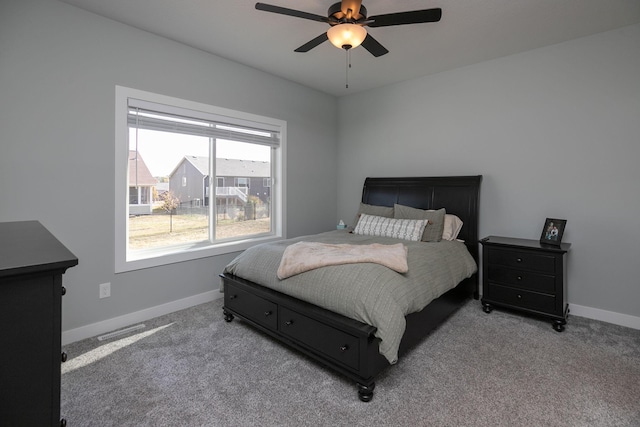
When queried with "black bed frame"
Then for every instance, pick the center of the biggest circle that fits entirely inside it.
(345, 345)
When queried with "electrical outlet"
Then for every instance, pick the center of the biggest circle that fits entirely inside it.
(105, 290)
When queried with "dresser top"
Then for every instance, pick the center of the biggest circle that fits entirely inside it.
(524, 243)
(28, 247)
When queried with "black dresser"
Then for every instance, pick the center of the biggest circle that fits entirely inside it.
(32, 262)
(525, 275)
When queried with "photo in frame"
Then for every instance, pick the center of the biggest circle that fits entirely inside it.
(552, 231)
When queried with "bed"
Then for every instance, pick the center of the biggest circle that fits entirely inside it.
(347, 342)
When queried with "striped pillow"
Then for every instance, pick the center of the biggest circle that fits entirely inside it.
(406, 229)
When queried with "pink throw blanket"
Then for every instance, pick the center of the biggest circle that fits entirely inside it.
(305, 256)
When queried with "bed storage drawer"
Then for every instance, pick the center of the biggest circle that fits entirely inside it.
(346, 345)
(334, 343)
(260, 310)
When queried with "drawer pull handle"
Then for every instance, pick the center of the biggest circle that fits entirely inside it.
(518, 259)
(64, 290)
(344, 348)
(267, 313)
(289, 322)
(233, 297)
(519, 277)
(519, 296)
(64, 357)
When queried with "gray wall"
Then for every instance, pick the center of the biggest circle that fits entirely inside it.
(555, 132)
(59, 66)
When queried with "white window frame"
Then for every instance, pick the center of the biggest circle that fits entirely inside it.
(124, 260)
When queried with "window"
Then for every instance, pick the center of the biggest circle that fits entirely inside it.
(167, 151)
(140, 195)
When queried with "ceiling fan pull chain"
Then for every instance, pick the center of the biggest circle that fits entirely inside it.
(348, 65)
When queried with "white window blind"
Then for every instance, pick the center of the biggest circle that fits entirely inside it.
(210, 127)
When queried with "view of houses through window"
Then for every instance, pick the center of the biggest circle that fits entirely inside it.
(172, 196)
(193, 180)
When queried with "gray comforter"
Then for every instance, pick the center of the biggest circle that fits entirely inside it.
(367, 292)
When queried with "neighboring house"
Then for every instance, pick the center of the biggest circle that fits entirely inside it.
(161, 189)
(236, 180)
(141, 184)
(189, 181)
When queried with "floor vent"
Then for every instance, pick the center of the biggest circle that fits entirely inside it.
(120, 332)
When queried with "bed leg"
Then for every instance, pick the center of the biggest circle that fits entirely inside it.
(228, 317)
(365, 392)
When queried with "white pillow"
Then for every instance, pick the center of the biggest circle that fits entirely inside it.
(452, 227)
(406, 229)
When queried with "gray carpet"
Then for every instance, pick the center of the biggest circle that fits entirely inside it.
(190, 368)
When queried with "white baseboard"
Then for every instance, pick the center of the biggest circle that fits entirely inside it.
(109, 325)
(605, 316)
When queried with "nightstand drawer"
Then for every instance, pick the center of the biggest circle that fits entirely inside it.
(522, 299)
(523, 260)
(522, 279)
(252, 307)
(336, 344)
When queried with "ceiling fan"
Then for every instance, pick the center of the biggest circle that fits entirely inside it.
(348, 19)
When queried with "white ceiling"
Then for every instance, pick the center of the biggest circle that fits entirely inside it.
(470, 31)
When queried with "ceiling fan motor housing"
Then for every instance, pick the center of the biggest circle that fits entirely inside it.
(335, 11)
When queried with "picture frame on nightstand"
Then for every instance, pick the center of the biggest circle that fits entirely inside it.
(552, 231)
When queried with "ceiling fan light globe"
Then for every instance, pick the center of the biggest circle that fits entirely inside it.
(346, 35)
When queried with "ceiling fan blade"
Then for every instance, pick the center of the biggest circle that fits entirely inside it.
(291, 12)
(354, 5)
(403, 18)
(372, 45)
(313, 43)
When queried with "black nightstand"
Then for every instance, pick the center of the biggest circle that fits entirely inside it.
(525, 275)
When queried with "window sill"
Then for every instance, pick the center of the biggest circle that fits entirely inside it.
(153, 258)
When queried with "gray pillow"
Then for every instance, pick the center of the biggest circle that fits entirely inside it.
(433, 231)
(384, 211)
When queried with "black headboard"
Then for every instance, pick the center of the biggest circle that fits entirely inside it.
(459, 195)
